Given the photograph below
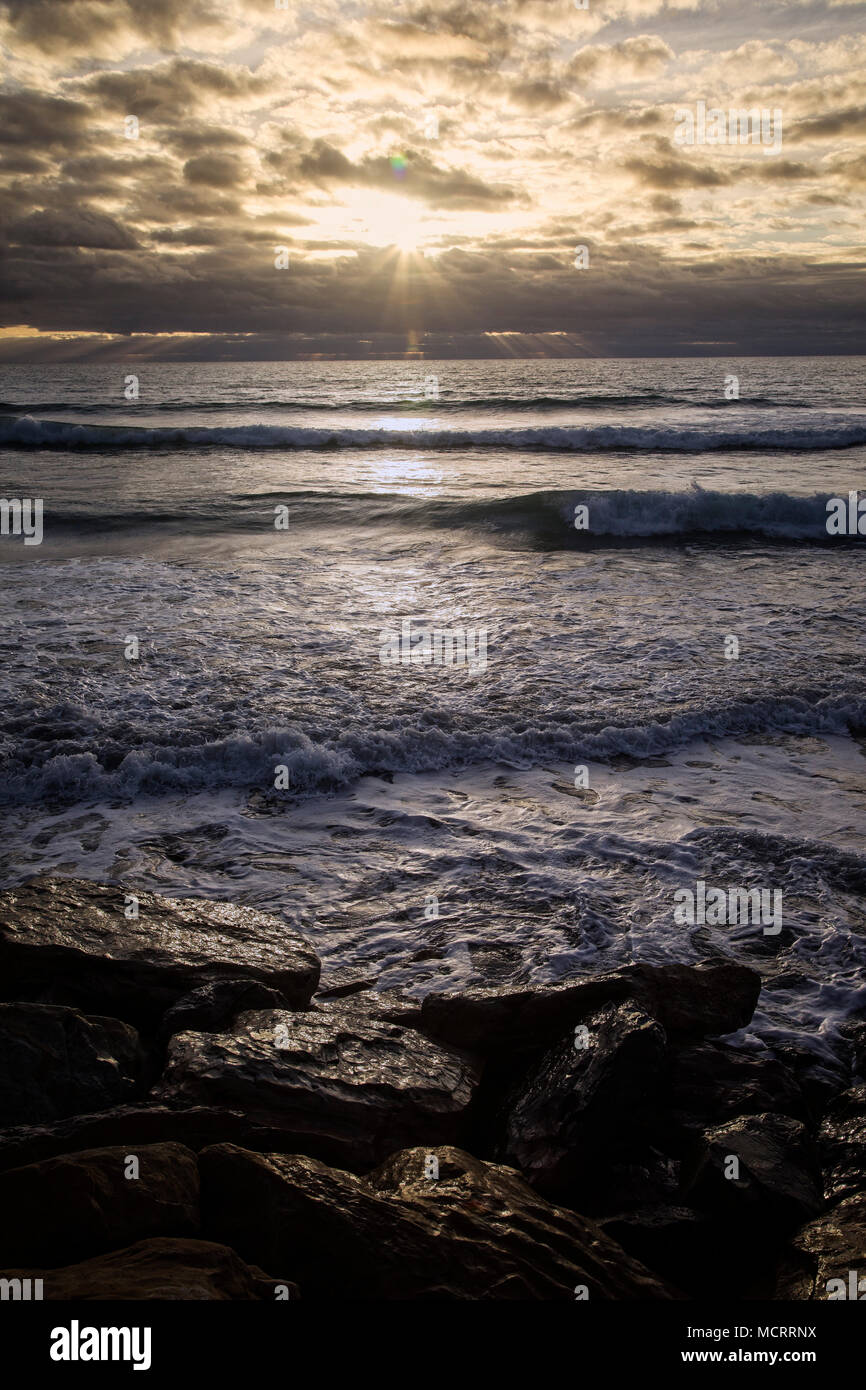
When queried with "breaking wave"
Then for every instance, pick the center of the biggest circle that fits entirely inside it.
(822, 432)
(316, 766)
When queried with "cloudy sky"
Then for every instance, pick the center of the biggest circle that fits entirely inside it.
(429, 168)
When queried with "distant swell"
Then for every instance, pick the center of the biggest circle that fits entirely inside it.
(546, 517)
(826, 433)
(248, 761)
(412, 400)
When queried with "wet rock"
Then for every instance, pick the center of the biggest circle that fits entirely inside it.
(54, 1061)
(674, 1241)
(69, 1208)
(578, 1119)
(712, 1082)
(389, 1005)
(340, 984)
(193, 1126)
(853, 1034)
(689, 1001)
(68, 941)
(778, 1181)
(476, 1231)
(163, 1268)
(819, 1077)
(214, 1006)
(700, 1001)
(831, 1248)
(842, 1142)
(348, 1087)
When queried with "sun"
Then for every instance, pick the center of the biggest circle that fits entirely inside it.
(386, 219)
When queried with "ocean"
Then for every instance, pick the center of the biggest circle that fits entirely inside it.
(204, 690)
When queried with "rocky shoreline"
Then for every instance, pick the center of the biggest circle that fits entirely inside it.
(187, 1115)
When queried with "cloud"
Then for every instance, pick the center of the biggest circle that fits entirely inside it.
(71, 228)
(215, 170)
(631, 60)
(659, 171)
(310, 126)
(47, 122)
(831, 125)
(115, 28)
(167, 91)
(413, 174)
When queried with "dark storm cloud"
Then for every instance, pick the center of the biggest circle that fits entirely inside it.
(214, 170)
(45, 122)
(60, 26)
(420, 178)
(619, 121)
(851, 121)
(23, 164)
(200, 138)
(169, 90)
(159, 204)
(238, 290)
(468, 20)
(109, 171)
(539, 95)
(782, 169)
(656, 171)
(191, 236)
(71, 228)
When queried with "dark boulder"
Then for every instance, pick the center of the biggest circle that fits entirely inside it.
(820, 1078)
(831, 1248)
(674, 1241)
(773, 1186)
(193, 1126)
(346, 1086)
(475, 1231)
(842, 1143)
(68, 941)
(55, 1062)
(709, 1083)
(66, 1209)
(213, 1007)
(164, 1269)
(688, 1001)
(577, 1121)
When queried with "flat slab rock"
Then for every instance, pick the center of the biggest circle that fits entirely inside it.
(164, 1269)
(54, 1062)
(352, 1086)
(72, 935)
(69, 1208)
(476, 1231)
(689, 1001)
